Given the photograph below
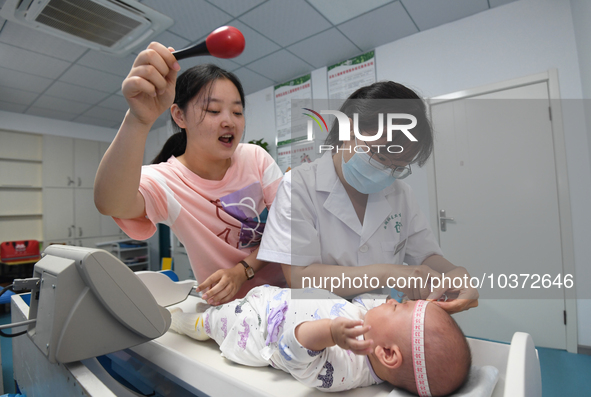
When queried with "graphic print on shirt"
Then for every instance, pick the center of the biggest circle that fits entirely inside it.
(242, 206)
(327, 378)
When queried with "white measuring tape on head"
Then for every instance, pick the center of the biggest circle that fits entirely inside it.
(418, 349)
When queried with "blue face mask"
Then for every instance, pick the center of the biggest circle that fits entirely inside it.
(363, 177)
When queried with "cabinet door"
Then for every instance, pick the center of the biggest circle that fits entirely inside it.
(58, 160)
(86, 161)
(58, 214)
(87, 218)
(109, 227)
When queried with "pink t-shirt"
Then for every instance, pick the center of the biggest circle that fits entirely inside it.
(219, 222)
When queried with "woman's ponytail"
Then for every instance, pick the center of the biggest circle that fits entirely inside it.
(174, 146)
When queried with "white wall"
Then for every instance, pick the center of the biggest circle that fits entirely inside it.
(519, 39)
(260, 118)
(581, 12)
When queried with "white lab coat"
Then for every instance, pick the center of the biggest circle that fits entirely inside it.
(312, 220)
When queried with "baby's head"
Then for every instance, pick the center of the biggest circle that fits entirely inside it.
(396, 332)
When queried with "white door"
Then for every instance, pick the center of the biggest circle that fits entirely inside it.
(495, 175)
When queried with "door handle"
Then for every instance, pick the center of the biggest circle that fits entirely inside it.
(443, 221)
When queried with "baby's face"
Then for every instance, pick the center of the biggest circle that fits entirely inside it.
(388, 317)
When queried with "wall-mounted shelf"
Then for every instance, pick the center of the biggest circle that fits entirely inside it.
(21, 192)
(21, 160)
(21, 187)
(20, 215)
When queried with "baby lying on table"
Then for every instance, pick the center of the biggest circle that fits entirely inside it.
(413, 345)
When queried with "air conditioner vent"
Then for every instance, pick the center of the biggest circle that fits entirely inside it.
(87, 20)
(114, 26)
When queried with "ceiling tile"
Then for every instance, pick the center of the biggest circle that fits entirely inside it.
(430, 13)
(91, 78)
(280, 66)
(236, 8)
(256, 45)
(75, 93)
(50, 114)
(12, 107)
(339, 11)
(33, 40)
(63, 105)
(285, 22)
(17, 96)
(104, 113)
(193, 19)
(31, 62)
(362, 30)
(225, 64)
(325, 48)
(251, 81)
(169, 40)
(496, 3)
(95, 121)
(24, 81)
(116, 102)
(107, 63)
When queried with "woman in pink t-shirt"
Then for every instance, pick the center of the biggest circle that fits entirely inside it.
(213, 192)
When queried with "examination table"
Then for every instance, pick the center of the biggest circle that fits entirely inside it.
(181, 367)
(86, 303)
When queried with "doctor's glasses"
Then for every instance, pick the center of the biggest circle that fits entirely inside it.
(382, 163)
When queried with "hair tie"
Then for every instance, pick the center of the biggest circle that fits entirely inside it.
(418, 349)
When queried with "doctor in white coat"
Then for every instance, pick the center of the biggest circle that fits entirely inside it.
(348, 223)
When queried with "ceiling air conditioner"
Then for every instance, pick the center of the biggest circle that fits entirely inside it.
(112, 26)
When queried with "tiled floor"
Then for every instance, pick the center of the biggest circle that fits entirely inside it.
(563, 374)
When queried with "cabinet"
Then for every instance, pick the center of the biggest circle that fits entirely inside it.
(69, 213)
(135, 254)
(70, 162)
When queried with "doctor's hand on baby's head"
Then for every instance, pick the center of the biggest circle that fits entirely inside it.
(422, 282)
(456, 299)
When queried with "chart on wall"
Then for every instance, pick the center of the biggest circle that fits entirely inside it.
(347, 76)
(290, 156)
(290, 131)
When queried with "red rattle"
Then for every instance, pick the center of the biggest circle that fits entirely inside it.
(225, 42)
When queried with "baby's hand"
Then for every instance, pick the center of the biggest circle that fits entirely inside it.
(345, 332)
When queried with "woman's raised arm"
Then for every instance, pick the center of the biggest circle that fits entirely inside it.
(149, 90)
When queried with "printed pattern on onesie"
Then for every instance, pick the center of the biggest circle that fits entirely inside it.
(259, 330)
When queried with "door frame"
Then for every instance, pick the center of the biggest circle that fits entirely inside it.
(564, 208)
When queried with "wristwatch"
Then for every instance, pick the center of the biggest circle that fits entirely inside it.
(248, 270)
